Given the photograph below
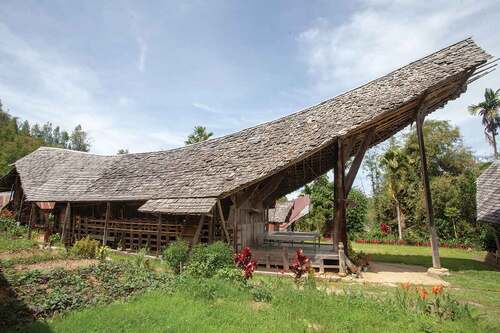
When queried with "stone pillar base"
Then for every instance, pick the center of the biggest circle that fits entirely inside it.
(438, 271)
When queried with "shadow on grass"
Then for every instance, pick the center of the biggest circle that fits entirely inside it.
(453, 264)
(14, 313)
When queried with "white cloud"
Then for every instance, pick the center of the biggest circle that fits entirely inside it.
(384, 35)
(204, 107)
(68, 94)
(143, 50)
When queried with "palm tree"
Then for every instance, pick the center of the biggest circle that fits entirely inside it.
(488, 110)
(199, 134)
(396, 163)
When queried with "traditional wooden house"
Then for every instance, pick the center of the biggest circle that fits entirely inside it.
(488, 200)
(221, 188)
(283, 216)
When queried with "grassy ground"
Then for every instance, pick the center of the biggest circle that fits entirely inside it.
(224, 307)
(233, 311)
(471, 279)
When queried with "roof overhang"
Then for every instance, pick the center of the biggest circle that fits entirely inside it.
(181, 206)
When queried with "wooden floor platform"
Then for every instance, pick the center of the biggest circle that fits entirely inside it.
(322, 257)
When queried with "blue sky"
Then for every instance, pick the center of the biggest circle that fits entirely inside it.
(140, 75)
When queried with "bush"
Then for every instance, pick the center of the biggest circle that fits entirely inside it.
(85, 248)
(232, 275)
(176, 255)
(140, 259)
(54, 239)
(245, 261)
(11, 228)
(206, 260)
(102, 252)
(261, 293)
(300, 266)
(437, 302)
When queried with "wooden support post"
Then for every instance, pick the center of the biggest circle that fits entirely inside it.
(67, 216)
(106, 222)
(358, 159)
(285, 258)
(158, 236)
(32, 216)
(223, 222)
(436, 262)
(339, 230)
(196, 237)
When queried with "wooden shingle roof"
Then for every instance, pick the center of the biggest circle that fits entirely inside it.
(222, 166)
(488, 194)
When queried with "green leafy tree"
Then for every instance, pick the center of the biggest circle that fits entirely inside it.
(79, 139)
(199, 134)
(321, 193)
(122, 151)
(396, 164)
(357, 212)
(488, 110)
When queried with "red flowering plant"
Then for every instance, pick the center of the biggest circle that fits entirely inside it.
(301, 265)
(385, 228)
(244, 261)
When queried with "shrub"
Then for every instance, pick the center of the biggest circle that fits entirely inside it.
(11, 228)
(54, 239)
(102, 252)
(140, 259)
(437, 302)
(300, 266)
(244, 261)
(261, 293)
(206, 260)
(85, 248)
(176, 255)
(232, 275)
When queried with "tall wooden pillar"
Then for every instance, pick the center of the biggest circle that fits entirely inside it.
(339, 228)
(32, 218)
(436, 262)
(106, 222)
(65, 226)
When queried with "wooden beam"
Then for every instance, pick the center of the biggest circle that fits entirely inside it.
(267, 189)
(32, 216)
(353, 170)
(158, 235)
(198, 230)
(339, 232)
(106, 222)
(67, 216)
(436, 261)
(223, 221)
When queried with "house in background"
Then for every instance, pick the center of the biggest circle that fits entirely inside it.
(283, 216)
(488, 200)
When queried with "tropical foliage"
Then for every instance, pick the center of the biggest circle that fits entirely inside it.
(488, 110)
(199, 134)
(21, 138)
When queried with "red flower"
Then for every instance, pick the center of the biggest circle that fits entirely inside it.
(244, 261)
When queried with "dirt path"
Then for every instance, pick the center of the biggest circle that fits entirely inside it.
(62, 263)
(394, 274)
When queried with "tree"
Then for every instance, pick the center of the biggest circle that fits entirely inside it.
(79, 140)
(199, 134)
(321, 193)
(396, 164)
(122, 151)
(488, 110)
(357, 212)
